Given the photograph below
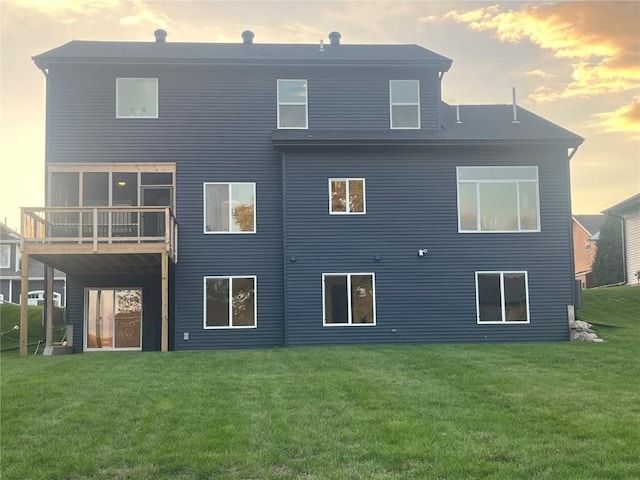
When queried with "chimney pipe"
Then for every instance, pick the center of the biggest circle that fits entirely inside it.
(334, 38)
(515, 107)
(247, 37)
(161, 35)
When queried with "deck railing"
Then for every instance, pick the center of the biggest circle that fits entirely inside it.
(100, 225)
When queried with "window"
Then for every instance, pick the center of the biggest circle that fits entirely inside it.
(346, 195)
(5, 255)
(502, 297)
(136, 98)
(292, 104)
(498, 199)
(229, 208)
(348, 299)
(404, 103)
(113, 319)
(230, 302)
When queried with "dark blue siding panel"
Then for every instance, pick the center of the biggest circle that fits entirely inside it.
(411, 204)
(151, 304)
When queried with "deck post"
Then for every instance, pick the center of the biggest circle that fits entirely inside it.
(165, 302)
(49, 307)
(24, 302)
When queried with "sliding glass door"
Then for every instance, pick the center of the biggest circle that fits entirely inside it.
(113, 319)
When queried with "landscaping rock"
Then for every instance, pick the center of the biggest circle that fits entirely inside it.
(580, 331)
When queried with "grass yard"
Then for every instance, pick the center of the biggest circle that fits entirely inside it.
(498, 411)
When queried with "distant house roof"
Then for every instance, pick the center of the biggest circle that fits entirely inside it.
(625, 206)
(591, 223)
(233, 53)
(8, 234)
(479, 124)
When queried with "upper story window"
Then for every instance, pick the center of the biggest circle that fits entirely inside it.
(5, 255)
(498, 199)
(502, 297)
(292, 104)
(229, 208)
(404, 103)
(346, 195)
(137, 98)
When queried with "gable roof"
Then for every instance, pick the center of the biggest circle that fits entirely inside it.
(625, 206)
(8, 234)
(488, 124)
(591, 223)
(233, 53)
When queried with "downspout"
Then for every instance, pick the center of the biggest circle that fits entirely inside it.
(574, 293)
(440, 77)
(285, 319)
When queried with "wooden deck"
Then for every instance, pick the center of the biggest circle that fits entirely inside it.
(97, 240)
(104, 239)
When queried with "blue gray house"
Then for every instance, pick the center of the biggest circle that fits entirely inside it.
(242, 195)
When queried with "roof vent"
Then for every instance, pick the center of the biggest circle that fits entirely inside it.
(334, 38)
(161, 35)
(247, 37)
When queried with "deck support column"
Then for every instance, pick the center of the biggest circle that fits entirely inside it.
(48, 308)
(165, 302)
(24, 302)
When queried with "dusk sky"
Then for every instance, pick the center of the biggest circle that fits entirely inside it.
(575, 63)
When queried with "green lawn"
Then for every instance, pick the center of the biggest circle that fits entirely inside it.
(500, 411)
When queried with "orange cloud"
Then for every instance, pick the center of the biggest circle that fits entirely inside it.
(601, 39)
(624, 119)
(132, 13)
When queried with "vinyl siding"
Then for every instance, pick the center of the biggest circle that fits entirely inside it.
(411, 204)
(632, 246)
(151, 304)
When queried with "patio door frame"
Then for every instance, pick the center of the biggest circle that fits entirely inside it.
(85, 346)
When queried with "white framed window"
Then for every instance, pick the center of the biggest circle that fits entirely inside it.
(113, 319)
(136, 98)
(404, 104)
(5, 255)
(346, 196)
(498, 199)
(230, 302)
(292, 104)
(348, 299)
(229, 207)
(502, 297)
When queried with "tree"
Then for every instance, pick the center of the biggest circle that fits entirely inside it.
(608, 265)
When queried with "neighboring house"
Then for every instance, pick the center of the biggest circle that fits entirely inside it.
(586, 230)
(10, 275)
(324, 195)
(629, 211)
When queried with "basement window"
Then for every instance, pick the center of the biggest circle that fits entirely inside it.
(230, 302)
(502, 297)
(348, 299)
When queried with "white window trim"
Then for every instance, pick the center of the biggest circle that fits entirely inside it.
(230, 312)
(507, 181)
(306, 103)
(157, 115)
(364, 197)
(503, 321)
(229, 184)
(8, 246)
(85, 348)
(350, 324)
(392, 104)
